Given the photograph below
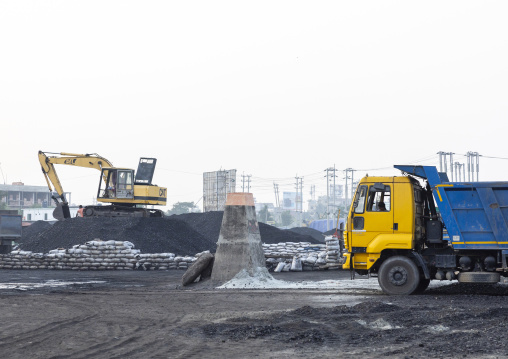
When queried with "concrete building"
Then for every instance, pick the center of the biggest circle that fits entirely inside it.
(19, 196)
(43, 214)
(216, 186)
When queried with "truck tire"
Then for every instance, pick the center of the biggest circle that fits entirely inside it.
(479, 277)
(398, 275)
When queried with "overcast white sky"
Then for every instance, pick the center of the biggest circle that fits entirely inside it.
(274, 89)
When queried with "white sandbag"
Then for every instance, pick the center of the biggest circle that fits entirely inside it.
(296, 265)
(279, 267)
(310, 260)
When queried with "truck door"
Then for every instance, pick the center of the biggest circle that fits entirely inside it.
(373, 214)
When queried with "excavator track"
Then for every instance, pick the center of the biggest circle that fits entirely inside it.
(120, 211)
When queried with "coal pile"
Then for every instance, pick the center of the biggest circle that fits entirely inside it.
(307, 231)
(208, 224)
(185, 234)
(35, 228)
(272, 235)
(150, 235)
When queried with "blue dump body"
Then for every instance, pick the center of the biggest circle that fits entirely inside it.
(475, 214)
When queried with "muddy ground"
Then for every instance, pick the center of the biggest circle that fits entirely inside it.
(138, 314)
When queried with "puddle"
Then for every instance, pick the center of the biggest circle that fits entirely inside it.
(46, 284)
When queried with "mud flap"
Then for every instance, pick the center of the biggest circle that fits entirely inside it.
(421, 263)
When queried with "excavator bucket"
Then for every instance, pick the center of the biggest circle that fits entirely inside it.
(62, 211)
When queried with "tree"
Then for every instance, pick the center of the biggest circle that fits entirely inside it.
(286, 218)
(181, 208)
(264, 215)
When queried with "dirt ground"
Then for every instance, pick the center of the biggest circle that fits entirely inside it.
(147, 314)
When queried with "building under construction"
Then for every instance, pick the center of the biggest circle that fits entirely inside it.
(216, 186)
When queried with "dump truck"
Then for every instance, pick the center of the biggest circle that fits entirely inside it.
(409, 230)
(10, 229)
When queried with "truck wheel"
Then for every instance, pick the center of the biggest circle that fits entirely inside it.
(399, 276)
(479, 277)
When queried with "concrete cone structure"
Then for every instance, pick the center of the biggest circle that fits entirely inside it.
(239, 246)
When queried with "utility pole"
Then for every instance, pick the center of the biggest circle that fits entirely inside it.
(334, 188)
(347, 170)
(248, 182)
(347, 188)
(352, 184)
(276, 189)
(298, 199)
(301, 200)
(460, 174)
(473, 164)
(277, 203)
(451, 163)
(443, 158)
(328, 179)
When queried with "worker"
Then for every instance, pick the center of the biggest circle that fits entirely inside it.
(381, 207)
(80, 211)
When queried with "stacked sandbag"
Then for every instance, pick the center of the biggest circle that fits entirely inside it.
(332, 253)
(23, 260)
(295, 256)
(163, 261)
(95, 255)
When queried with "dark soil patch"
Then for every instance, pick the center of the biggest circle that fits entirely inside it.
(399, 327)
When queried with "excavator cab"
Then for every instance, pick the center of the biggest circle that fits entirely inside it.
(118, 184)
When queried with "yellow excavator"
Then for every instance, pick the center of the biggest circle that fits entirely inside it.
(126, 192)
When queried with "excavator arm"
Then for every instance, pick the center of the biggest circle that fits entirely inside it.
(54, 184)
